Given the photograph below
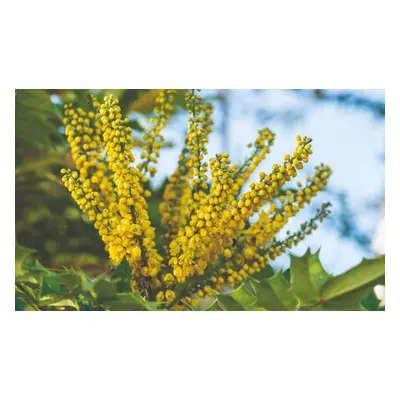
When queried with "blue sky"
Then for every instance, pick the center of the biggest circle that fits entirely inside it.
(346, 139)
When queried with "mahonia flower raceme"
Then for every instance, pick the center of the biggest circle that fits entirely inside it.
(215, 234)
(153, 138)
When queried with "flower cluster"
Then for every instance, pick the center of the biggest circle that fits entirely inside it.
(216, 234)
(262, 147)
(197, 137)
(119, 208)
(153, 137)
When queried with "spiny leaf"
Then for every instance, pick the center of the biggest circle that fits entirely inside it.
(315, 289)
(274, 293)
(122, 276)
(318, 275)
(243, 296)
(307, 276)
(283, 290)
(266, 297)
(239, 299)
(356, 281)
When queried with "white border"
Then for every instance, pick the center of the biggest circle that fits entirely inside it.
(204, 44)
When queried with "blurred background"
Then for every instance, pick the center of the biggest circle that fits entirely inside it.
(347, 128)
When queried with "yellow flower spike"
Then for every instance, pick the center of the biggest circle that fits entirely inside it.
(262, 147)
(277, 248)
(153, 138)
(201, 248)
(199, 127)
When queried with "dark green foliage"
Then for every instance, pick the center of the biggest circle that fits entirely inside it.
(40, 288)
(36, 122)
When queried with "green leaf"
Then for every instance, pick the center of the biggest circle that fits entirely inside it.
(307, 276)
(66, 303)
(356, 283)
(243, 296)
(204, 303)
(64, 284)
(274, 293)
(214, 306)
(21, 253)
(317, 273)
(128, 302)
(104, 290)
(283, 290)
(266, 297)
(312, 288)
(40, 266)
(239, 299)
(50, 284)
(122, 276)
(227, 303)
(72, 281)
(371, 302)
(58, 301)
(344, 292)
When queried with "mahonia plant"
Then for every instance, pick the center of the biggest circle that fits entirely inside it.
(217, 233)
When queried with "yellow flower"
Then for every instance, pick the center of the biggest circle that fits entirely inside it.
(170, 295)
(160, 296)
(227, 253)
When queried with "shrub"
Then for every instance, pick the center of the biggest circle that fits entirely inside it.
(218, 237)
